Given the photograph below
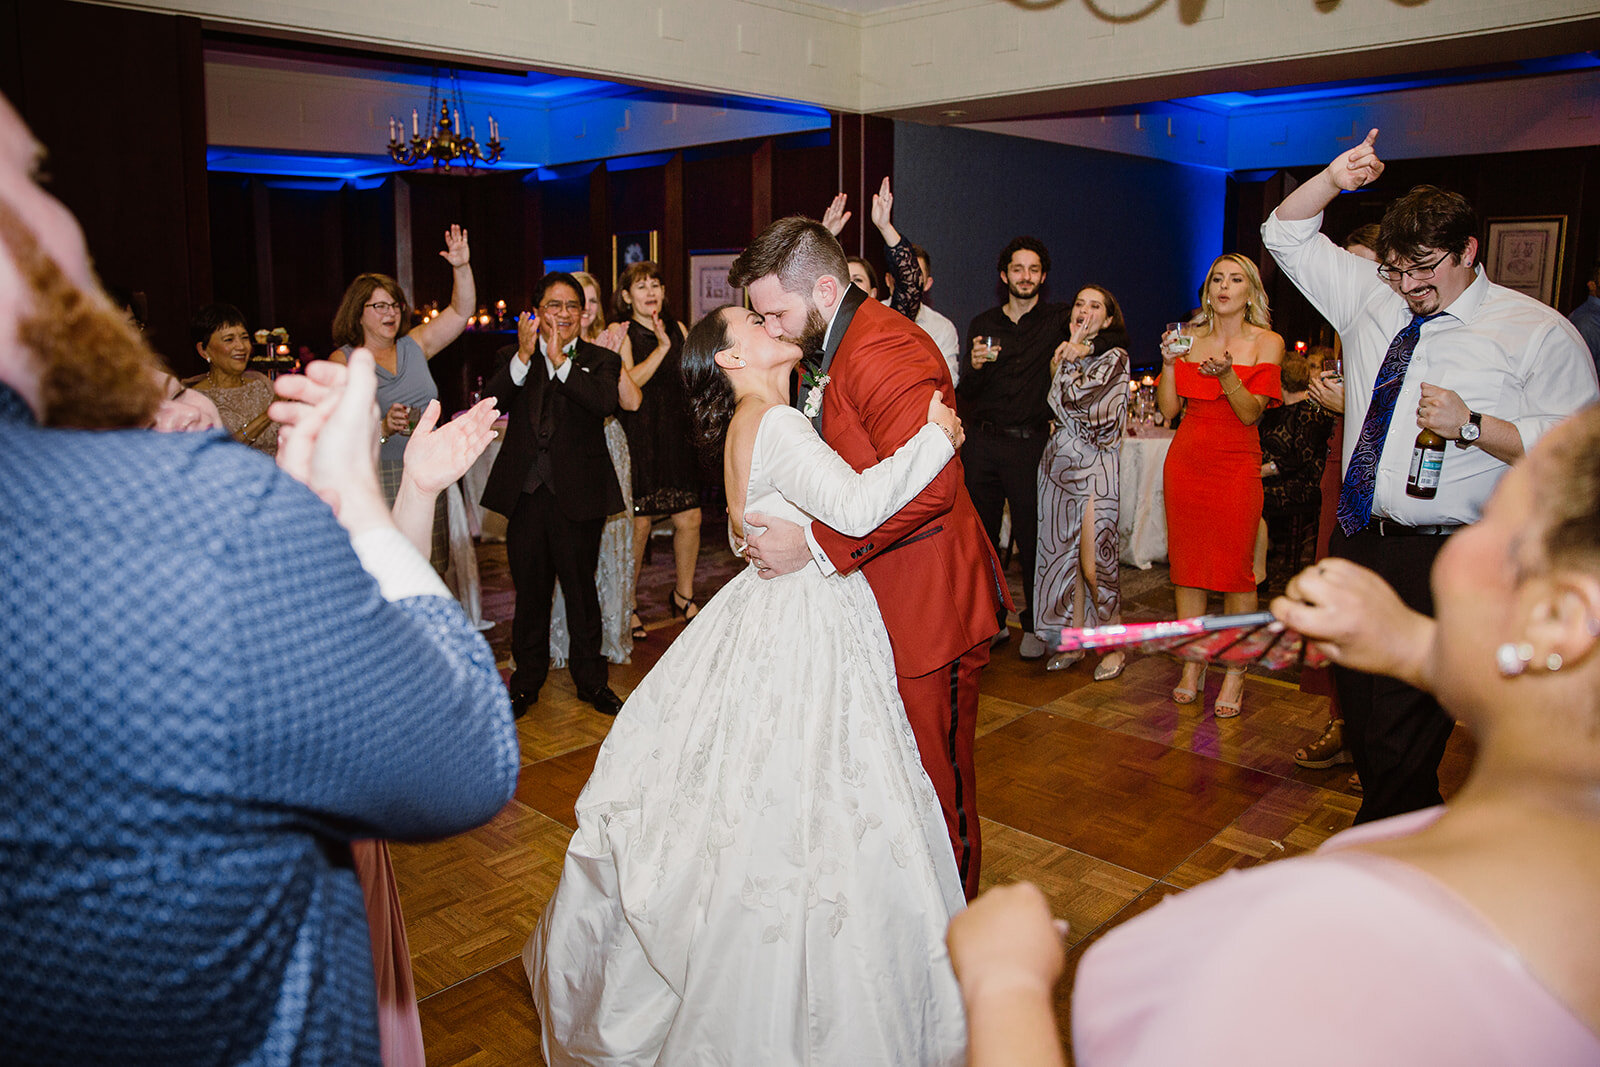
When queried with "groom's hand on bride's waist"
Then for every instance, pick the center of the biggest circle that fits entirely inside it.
(776, 546)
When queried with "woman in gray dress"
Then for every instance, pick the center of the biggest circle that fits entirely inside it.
(1078, 483)
(375, 315)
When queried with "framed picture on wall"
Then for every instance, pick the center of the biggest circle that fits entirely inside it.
(633, 247)
(708, 283)
(1526, 254)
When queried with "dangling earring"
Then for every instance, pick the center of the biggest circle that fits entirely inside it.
(1512, 659)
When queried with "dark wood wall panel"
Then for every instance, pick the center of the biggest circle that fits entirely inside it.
(115, 95)
(717, 195)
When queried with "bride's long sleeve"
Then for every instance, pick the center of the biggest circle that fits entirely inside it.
(816, 480)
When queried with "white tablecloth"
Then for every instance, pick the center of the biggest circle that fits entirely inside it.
(470, 521)
(1142, 521)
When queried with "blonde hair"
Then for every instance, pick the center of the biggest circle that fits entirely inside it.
(586, 280)
(1256, 311)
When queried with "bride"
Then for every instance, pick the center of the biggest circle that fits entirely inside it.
(761, 873)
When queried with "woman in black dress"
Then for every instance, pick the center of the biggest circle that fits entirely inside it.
(666, 467)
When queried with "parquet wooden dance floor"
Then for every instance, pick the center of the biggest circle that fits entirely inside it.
(1106, 794)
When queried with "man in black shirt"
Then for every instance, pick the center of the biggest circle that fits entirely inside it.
(1005, 408)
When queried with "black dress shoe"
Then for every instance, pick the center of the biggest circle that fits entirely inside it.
(521, 702)
(603, 699)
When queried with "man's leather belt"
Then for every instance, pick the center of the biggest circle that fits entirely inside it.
(1390, 528)
(1023, 432)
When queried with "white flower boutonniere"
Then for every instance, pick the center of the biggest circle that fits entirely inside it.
(816, 383)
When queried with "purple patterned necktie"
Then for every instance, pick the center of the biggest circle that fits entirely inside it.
(1355, 496)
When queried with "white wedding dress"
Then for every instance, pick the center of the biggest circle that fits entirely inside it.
(761, 874)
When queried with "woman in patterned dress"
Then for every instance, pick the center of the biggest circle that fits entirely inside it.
(241, 395)
(1078, 483)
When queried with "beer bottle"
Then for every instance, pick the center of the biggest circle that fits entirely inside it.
(1427, 461)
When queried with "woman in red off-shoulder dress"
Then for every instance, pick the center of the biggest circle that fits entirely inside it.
(1212, 481)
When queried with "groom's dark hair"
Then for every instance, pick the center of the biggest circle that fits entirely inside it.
(796, 249)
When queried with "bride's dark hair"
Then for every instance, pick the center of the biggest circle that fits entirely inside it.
(710, 393)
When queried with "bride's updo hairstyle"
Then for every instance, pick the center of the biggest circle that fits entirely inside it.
(710, 393)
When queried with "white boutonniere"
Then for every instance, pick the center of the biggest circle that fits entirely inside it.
(816, 383)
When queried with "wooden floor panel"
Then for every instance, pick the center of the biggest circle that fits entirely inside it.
(1106, 794)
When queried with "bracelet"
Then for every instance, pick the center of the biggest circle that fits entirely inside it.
(1235, 389)
(950, 435)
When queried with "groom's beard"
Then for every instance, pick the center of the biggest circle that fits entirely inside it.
(95, 369)
(811, 337)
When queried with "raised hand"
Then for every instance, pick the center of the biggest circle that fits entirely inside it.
(660, 329)
(527, 335)
(438, 455)
(1357, 167)
(945, 418)
(882, 210)
(456, 253)
(836, 216)
(1217, 366)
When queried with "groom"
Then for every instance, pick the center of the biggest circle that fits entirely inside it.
(931, 567)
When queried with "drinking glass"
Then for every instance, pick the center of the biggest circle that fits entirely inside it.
(1182, 339)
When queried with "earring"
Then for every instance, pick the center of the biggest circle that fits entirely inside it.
(1513, 659)
(741, 361)
(1553, 662)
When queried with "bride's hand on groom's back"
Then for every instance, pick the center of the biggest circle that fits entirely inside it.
(944, 417)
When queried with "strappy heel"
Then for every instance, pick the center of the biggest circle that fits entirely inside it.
(1227, 709)
(1182, 695)
(688, 608)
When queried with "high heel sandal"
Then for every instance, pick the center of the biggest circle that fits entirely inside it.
(639, 632)
(1227, 709)
(1182, 695)
(683, 608)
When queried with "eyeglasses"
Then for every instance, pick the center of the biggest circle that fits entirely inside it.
(383, 307)
(557, 306)
(1420, 273)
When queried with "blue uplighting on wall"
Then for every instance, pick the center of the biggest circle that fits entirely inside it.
(1299, 94)
(356, 169)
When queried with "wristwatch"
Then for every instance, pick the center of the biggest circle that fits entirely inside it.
(1468, 434)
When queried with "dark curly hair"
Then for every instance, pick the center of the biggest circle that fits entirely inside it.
(1425, 220)
(1024, 244)
(710, 393)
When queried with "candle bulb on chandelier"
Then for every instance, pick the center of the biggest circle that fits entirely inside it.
(414, 132)
(457, 128)
(472, 133)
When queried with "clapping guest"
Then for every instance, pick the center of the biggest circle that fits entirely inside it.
(619, 623)
(241, 395)
(1079, 481)
(666, 469)
(1212, 478)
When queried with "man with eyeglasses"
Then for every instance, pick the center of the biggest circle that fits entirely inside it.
(554, 482)
(1428, 341)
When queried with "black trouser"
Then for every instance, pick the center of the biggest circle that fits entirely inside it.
(543, 546)
(1397, 734)
(1002, 469)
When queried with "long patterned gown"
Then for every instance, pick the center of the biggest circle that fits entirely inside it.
(1081, 462)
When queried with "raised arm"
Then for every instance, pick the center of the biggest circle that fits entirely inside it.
(433, 336)
(907, 295)
(1348, 171)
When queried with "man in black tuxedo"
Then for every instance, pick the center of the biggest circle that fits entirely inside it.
(554, 482)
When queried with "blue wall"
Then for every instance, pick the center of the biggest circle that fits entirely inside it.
(1145, 229)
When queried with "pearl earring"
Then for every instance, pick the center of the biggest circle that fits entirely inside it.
(1507, 660)
(1553, 662)
(741, 361)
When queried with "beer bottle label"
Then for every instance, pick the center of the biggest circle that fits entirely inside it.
(1431, 464)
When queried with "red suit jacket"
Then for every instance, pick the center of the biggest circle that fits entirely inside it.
(936, 577)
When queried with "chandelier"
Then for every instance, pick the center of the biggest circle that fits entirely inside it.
(445, 143)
